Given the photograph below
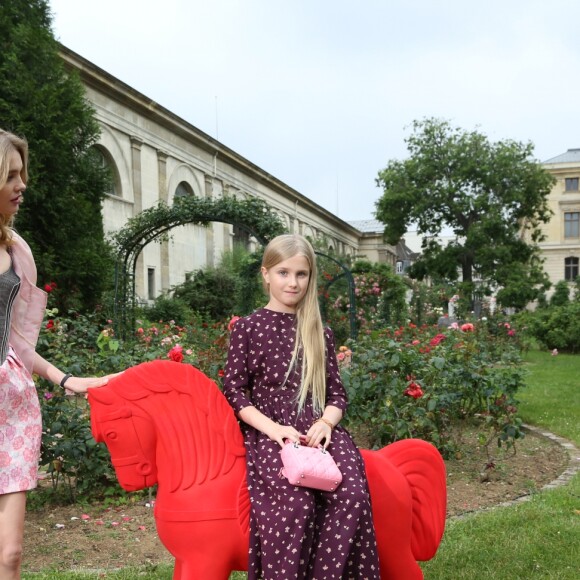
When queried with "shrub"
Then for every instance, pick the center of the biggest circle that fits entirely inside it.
(168, 308)
(210, 292)
(555, 327)
(414, 381)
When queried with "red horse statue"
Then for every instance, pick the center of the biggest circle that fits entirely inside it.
(168, 424)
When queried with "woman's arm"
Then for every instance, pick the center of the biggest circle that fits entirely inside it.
(76, 384)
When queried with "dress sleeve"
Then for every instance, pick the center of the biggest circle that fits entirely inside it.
(237, 376)
(335, 391)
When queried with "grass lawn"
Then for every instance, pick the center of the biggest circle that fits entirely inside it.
(536, 539)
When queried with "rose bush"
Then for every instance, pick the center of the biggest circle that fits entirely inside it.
(404, 381)
(416, 381)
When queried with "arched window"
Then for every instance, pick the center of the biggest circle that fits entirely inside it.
(571, 269)
(107, 163)
(183, 190)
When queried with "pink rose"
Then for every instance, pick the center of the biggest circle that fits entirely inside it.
(232, 322)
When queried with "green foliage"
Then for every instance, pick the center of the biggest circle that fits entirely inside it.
(168, 308)
(414, 382)
(41, 100)
(251, 214)
(555, 327)
(486, 192)
(76, 464)
(210, 292)
(561, 295)
(233, 287)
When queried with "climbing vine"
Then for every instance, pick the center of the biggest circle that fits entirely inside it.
(251, 214)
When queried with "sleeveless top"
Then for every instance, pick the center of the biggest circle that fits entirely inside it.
(9, 286)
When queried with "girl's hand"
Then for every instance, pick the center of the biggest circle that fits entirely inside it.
(279, 433)
(317, 433)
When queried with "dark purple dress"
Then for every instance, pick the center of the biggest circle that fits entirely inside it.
(296, 533)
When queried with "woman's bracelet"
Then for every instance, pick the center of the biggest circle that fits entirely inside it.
(64, 379)
(326, 421)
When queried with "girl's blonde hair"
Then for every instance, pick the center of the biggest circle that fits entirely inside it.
(8, 144)
(309, 343)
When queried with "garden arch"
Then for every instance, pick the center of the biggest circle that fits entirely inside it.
(249, 214)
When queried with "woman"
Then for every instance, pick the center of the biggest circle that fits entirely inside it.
(22, 307)
(282, 380)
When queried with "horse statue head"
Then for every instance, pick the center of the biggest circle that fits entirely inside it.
(166, 423)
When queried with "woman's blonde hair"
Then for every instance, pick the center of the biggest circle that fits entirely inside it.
(309, 345)
(8, 144)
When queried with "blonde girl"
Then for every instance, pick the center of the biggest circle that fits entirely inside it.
(282, 380)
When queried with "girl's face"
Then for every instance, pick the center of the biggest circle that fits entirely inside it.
(288, 282)
(11, 192)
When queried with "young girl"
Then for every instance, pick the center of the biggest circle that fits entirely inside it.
(282, 380)
(22, 307)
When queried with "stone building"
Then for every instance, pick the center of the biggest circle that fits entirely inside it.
(155, 155)
(561, 248)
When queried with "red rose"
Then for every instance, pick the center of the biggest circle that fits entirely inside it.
(413, 390)
(50, 324)
(221, 373)
(176, 353)
(232, 321)
(48, 288)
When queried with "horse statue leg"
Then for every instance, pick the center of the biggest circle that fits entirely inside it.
(224, 548)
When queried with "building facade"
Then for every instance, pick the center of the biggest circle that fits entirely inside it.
(561, 248)
(155, 156)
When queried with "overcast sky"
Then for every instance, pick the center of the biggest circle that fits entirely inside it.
(321, 93)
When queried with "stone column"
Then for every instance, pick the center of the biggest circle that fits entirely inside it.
(136, 145)
(163, 196)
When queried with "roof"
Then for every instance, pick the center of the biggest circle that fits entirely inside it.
(368, 226)
(571, 156)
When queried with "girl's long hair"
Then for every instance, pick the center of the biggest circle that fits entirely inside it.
(8, 144)
(309, 345)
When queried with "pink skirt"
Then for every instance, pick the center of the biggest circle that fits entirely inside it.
(20, 427)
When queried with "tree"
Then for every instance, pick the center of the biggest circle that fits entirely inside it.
(493, 196)
(42, 101)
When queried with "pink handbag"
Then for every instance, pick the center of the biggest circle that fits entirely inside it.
(309, 467)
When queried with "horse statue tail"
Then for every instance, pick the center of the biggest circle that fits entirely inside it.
(409, 500)
(424, 468)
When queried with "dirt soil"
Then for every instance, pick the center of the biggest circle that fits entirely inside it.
(99, 538)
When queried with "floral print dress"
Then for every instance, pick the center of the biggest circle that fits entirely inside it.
(296, 533)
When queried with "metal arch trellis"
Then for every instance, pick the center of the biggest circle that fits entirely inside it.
(346, 273)
(250, 214)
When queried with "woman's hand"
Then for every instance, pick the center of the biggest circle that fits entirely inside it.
(80, 385)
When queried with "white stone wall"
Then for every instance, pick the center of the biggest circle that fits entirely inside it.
(151, 151)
